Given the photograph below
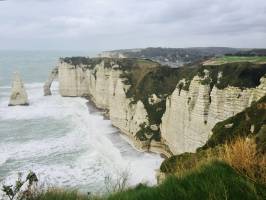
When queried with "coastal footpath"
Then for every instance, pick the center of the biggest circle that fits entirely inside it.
(162, 109)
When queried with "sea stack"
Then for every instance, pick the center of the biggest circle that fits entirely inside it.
(18, 93)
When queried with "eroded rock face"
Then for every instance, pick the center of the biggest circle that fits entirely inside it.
(108, 91)
(53, 75)
(191, 115)
(18, 93)
(72, 80)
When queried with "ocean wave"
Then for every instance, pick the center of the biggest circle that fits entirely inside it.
(27, 85)
(3, 158)
(79, 151)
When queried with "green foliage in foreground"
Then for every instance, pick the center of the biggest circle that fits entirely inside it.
(61, 195)
(215, 180)
(186, 161)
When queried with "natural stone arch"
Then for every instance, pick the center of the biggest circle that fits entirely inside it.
(53, 75)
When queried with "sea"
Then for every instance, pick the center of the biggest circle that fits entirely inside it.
(65, 141)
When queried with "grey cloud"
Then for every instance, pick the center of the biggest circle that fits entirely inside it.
(112, 24)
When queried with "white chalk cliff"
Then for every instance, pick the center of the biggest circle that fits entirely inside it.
(189, 116)
(18, 92)
(107, 90)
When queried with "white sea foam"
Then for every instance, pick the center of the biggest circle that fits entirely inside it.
(67, 145)
(3, 158)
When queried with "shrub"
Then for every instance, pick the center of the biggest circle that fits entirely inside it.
(184, 162)
(117, 183)
(17, 191)
(243, 156)
(241, 153)
(213, 180)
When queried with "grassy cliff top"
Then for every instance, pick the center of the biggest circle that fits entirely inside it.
(232, 59)
(124, 63)
(78, 60)
(237, 73)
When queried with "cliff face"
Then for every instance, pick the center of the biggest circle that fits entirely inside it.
(161, 109)
(104, 85)
(72, 80)
(191, 115)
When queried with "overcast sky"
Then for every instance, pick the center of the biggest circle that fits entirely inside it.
(115, 24)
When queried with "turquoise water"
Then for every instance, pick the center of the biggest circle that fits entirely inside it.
(34, 66)
(60, 139)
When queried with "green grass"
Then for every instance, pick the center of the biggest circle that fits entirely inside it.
(215, 180)
(185, 161)
(230, 59)
(56, 194)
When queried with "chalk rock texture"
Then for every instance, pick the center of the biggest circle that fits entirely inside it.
(191, 115)
(46, 88)
(18, 92)
(107, 90)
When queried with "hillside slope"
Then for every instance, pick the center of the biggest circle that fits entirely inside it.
(174, 57)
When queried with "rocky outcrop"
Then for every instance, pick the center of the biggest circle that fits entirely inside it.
(53, 75)
(191, 115)
(18, 93)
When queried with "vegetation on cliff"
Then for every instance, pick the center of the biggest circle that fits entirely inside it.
(80, 61)
(241, 145)
(241, 154)
(240, 141)
(242, 72)
(146, 78)
(249, 122)
(213, 180)
(237, 74)
(162, 81)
